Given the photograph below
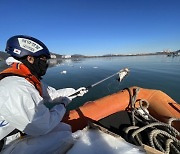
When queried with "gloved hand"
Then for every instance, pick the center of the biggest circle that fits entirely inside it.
(82, 91)
(65, 101)
(79, 92)
(62, 100)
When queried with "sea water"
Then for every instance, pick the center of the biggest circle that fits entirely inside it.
(155, 72)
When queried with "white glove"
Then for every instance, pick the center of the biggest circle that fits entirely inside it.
(80, 92)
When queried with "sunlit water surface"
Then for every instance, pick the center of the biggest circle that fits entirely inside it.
(155, 72)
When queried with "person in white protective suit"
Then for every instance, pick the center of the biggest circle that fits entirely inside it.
(26, 125)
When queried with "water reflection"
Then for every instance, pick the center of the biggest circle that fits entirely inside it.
(51, 62)
(58, 61)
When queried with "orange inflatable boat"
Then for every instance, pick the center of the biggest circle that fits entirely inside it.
(161, 106)
(143, 117)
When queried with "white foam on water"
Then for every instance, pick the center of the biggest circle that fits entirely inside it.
(97, 142)
(63, 72)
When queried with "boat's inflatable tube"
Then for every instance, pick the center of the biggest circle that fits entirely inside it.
(161, 106)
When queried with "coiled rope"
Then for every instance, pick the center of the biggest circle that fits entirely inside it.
(162, 136)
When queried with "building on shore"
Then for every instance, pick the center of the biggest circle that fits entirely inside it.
(66, 56)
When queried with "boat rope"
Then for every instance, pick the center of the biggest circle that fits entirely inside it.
(162, 136)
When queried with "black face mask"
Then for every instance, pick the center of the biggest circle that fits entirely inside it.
(38, 68)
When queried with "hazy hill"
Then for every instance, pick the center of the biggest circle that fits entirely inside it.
(3, 55)
(77, 56)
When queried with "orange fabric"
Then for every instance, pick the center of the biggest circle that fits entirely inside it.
(20, 69)
(161, 106)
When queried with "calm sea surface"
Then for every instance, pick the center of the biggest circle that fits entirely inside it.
(155, 72)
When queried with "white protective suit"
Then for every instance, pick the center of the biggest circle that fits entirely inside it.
(22, 107)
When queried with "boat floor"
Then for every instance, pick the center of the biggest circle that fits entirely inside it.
(97, 139)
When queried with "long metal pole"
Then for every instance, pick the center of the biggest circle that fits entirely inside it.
(95, 84)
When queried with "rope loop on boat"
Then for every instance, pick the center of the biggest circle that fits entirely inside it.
(162, 136)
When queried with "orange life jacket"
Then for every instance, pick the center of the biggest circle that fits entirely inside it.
(19, 69)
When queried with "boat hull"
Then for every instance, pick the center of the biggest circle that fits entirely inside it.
(161, 106)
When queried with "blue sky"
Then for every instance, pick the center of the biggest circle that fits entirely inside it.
(94, 27)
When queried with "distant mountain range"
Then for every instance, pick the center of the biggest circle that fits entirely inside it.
(4, 55)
